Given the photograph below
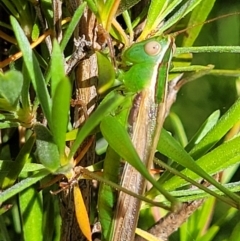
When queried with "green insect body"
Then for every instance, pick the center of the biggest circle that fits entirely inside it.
(147, 76)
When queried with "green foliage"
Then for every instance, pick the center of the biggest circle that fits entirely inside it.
(37, 83)
(109, 126)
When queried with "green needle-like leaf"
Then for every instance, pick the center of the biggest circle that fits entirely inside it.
(47, 149)
(33, 68)
(106, 107)
(60, 115)
(22, 185)
(171, 148)
(122, 144)
(18, 164)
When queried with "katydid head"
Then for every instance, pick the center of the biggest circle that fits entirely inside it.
(145, 57)
(150, 50)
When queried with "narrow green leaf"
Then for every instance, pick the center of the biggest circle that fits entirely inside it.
(198, 16)
(60, 115)
(187, 195)
(215, 161)
(31, 167)
(47, 150)
(104, 10)
(225, 123)
(126, 5)
(33, 68)
(128, 22)
(118, 138)
(52, 221)
(155, 16)
(227, 151)
(25, 96)
(71, 27)
(181, 13)
(92, 5)
(234, 235)
(106, 194)
(209, 49)
(18, 164)
(106, 107)
(4, 229)
(106, 73)
(203, 130)
(17, 188)
(190, 195)
(30, 201)
(204, 216)
(57, 67)
(210, 234)
(178, 128)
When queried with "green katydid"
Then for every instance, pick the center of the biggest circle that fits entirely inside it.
(147, 80)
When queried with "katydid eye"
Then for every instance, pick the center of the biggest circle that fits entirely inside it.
(152, 48)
